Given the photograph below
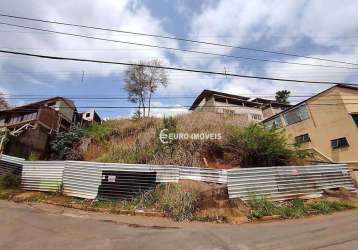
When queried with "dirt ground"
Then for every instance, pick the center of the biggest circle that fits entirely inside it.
(214, 203)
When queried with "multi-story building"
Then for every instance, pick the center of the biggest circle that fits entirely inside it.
(326, 124)
(31, 125)
(252, 110)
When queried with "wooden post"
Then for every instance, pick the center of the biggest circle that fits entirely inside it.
(1, 144)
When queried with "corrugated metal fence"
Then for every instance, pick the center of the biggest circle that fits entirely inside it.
(42, 175)
(83, 179)
(280, 183)
(10, 164)
(203, 174)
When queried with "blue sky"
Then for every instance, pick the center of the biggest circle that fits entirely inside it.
(327, 29)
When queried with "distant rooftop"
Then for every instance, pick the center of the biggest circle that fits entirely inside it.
(257, 102)
(39, 103)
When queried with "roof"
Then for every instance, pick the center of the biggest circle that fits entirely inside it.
(271, 102)
(207, 93)
(300, 103)
(39, 103)
(255, 102)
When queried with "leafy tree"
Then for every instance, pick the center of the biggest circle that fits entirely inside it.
(62, 145)
(142, 81)
(256, 146)
(282, 96)
(3, 103)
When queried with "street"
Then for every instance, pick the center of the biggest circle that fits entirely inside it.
(41, 226)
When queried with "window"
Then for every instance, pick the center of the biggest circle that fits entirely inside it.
(355, 119)
(30, 116)
(16, 119)
(296, 115)
(276, 123)
(229, 112)
(88, 114)
(339, 143)
(302, 138)
(256, 116)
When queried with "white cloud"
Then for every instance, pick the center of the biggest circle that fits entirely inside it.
(283, 24)
(123, 15)
(159, 110)
(243, 22)
(287, 23)
(330, 22)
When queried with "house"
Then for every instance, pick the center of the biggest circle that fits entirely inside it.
(326, 124)
(89, 117)
(252, 110)
(32, 124)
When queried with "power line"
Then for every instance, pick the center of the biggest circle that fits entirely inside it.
(164, 107)
(164, 96)
(111, 99)
(177, 38)
(166, 67)
(175, 49)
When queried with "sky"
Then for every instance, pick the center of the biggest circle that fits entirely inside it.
(321, 28)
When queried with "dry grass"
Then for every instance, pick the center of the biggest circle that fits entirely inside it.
(136, 141)
(123, 128)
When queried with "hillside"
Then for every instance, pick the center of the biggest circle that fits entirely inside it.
(137, 141)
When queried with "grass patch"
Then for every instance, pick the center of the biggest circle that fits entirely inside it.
(326, 207)
(177, 203)
(171, 199)
(296, 208)
(10, 180)
(98, 132)
(7, 193)
(9, 185)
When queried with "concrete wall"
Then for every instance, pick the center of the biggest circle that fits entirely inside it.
(65, 110)
(270, 111)
(31, 141)
(213, 105)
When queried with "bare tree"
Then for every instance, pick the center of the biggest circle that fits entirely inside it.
(142, 81)
(157, 77)
(3, 103)
(135, 85)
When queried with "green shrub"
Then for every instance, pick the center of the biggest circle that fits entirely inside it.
(169, 126)
(62, 145)
(256, 146)
(10, 180)
(260, 207)
(33, 156)
(99, 132)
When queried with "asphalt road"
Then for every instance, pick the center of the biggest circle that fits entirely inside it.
(50, 227)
